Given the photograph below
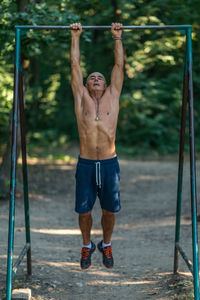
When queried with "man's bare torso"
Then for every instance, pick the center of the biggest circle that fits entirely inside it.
(96, 105)
(97, 137)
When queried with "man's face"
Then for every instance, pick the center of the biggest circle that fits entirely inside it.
(96, 82)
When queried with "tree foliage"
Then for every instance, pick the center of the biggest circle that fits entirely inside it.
(150, 104)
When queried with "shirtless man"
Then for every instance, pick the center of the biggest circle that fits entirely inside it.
(97, 172)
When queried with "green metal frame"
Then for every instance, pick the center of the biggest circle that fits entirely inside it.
(18, 103)
(188, 93)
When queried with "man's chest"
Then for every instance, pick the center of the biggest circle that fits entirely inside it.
(103, 110)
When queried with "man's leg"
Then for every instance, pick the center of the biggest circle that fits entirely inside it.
(110, 203)
(107, 222)
(85, 224)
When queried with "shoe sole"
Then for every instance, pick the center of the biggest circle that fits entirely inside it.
(85, 268)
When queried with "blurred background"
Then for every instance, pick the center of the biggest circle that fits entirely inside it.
(150, 104)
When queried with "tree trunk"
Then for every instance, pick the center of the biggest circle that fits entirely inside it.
(116, 11)
(5, 167)
(22, 5)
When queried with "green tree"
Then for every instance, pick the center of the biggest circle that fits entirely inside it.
(150, 104)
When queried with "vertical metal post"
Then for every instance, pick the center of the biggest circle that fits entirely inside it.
(13, 171)
(181, 159)
(25, 173)
(193, 172)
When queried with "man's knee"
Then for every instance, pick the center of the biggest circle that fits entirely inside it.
(107, 213)
(85, 215)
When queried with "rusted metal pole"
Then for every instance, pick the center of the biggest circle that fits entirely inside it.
(181, 158)
(25, 173)
(13, 171)
(193, 173)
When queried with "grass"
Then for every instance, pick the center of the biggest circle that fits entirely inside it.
(182, 287)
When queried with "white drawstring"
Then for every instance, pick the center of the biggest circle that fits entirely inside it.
(98, 174)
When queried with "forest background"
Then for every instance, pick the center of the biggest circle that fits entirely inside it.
(150, 104)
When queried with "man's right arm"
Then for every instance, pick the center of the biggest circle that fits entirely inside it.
(76, 73)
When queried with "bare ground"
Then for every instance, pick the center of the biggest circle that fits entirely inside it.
(143, 239)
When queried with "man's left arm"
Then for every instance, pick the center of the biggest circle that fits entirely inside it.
(117, 75)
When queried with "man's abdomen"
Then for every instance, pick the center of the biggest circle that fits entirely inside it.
(97, 144)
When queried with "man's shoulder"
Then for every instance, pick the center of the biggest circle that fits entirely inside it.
(112, 93)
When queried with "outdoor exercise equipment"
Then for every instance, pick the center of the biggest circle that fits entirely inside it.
(18, 102)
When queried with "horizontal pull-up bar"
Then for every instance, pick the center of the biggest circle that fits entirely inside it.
(49, 27)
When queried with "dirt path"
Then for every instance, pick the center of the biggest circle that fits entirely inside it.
(143, 240)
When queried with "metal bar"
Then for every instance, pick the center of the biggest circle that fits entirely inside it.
(49, 27)
(181, 159)
(193, 172)
(13, 172)
(184, 256)
(193, 182)
(25, 172)
(20, 258)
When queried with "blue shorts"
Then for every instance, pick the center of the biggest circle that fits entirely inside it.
(97, 178)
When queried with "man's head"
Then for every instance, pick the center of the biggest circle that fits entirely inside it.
(96, 82)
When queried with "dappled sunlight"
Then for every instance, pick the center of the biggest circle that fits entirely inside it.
(104, 273)
(49, 160)
(39, 197)
(5, 256)
(155, 223)
(144, 228)
(121, 279)
(129, 226)
(38, 218)
(151, 178)
(59, 264)
(65, 248)
(103, 282)
(186, 274)
(60, 167)
(74, 267)
(63, 231)
(169, 274)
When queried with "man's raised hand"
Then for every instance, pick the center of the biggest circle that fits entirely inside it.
(116, 29)
(76, 29)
